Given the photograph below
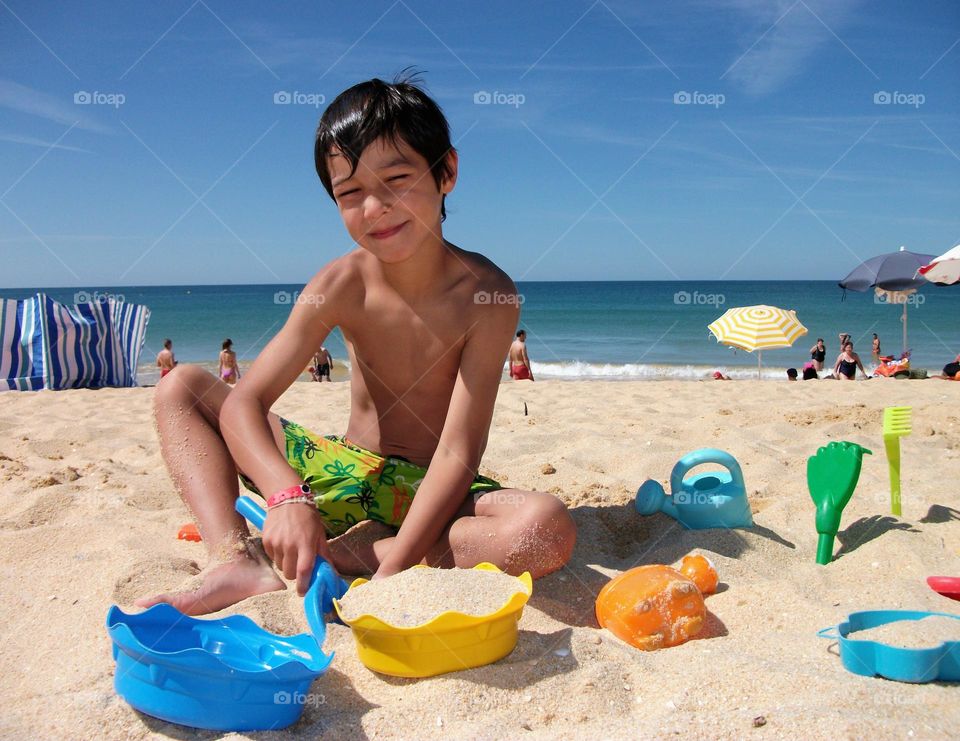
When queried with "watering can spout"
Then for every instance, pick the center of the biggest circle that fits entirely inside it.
(651, 498)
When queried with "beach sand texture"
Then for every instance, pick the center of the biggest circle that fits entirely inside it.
(90, 518)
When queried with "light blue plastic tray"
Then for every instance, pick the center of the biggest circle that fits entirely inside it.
(869, 658)
(228, 674)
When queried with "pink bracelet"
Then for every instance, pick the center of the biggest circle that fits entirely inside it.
(300, 490)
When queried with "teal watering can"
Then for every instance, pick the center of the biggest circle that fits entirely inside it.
(706, 500)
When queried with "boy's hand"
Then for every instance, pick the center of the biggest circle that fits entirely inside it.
(293, 535)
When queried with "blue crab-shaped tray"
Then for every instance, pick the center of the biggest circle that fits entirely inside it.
(225, 674)
(869, 658)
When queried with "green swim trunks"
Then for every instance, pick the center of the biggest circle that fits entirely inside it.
(351, 484)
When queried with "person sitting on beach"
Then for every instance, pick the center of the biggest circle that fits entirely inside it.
(229, 371)
(810, 371)
(322, 360)
(427, 361)
(165, 359)
(818, 353)
(520, 369)
(952, 370)
(847, 363)
(791, 374)
(718, 376)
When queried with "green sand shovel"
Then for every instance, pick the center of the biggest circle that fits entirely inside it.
(832, 475)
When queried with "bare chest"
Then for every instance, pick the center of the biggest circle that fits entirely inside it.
(399, 349)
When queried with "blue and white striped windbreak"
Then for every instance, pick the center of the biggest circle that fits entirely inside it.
(48, 345)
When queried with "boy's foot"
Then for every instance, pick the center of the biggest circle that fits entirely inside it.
(222, 586)
(352, 553)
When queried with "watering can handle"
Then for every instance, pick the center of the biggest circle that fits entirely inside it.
(699, 457)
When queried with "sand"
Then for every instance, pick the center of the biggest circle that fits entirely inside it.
(928, 632)
(416, 596)
(90, 519)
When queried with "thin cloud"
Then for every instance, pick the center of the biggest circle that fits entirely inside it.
(34, 142)
(785, 34)
(23, 99)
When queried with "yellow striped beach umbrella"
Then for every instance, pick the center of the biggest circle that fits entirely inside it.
(757, 328)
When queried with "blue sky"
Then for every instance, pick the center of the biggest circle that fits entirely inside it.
(817, 132)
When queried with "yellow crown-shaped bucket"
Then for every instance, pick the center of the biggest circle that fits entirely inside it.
(449, 642)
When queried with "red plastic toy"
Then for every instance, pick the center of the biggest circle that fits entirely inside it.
(189, 532)
(948, 586)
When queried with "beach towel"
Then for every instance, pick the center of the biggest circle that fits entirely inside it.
(890, 366)
(47, 345)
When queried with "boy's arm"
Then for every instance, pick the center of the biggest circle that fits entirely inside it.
(455, 463)
(293, 533)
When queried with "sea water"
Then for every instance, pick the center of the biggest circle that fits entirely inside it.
(595, 330)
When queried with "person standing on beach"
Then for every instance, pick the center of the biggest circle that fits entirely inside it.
(876, 349)
(847, 363)
(322, 362)
(520, 369)
(818, 353)
(229, 370)
(165, 360)
(401, 486)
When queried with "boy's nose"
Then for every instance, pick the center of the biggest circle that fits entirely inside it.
(375, 206)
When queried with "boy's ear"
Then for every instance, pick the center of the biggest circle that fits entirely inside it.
(453, 162)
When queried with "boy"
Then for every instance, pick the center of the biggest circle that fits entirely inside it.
(426, 361)
(322, 361)
(165, 359)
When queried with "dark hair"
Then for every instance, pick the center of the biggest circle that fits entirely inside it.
(226, 343)
(809, 374)
(167, 342)
(819, 339)
(374, 109)
(521, 331)
(791, 372)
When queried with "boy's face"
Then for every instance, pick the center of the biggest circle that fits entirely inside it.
(391, 204)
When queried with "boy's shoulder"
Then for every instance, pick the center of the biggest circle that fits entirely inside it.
(479, 278)
(469, 271)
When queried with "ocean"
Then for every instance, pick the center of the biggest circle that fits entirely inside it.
(609, 329)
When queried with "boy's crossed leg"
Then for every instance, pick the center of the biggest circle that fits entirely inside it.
(515, 530)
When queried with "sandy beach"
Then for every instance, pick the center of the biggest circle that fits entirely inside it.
(90, 519)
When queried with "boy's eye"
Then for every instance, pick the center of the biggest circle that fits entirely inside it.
(397, 177)
(346, 193)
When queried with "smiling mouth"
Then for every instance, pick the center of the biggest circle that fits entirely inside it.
(386, 233)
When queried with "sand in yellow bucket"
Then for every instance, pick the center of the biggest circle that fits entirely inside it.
(448, 642)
